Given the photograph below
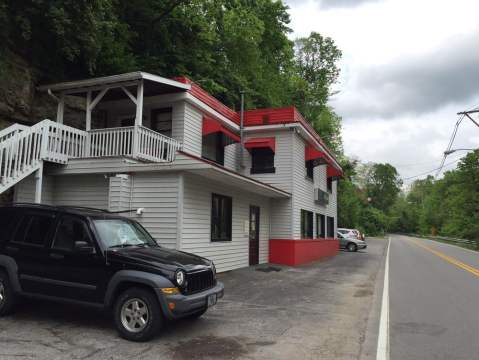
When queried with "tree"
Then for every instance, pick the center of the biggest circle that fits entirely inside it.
(316, 61)
(383, 186)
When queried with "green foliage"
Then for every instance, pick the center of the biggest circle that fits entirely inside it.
(448, 206)
(383, 186)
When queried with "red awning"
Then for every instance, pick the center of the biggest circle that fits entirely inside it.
(211, 126)
(333, 172)
(257, 143)
(311, 153)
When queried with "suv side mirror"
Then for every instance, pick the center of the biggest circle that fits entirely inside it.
(82, 247)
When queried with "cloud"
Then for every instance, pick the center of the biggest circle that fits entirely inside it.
(331, 4)
(414, 85)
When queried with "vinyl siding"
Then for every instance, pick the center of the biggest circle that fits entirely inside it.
(192, 131)
(303, 192)
(196, 223)
(281, 209)
(24, 191)
(119, 196)
(158, 195)
(80, 190)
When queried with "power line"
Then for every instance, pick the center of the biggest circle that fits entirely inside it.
(430, 171)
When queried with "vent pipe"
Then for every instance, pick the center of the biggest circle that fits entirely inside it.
(241, 130)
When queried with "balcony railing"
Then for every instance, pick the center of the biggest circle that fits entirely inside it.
(135, 141)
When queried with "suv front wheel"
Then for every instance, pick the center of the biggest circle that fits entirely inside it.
(137, 314)
(7, 297)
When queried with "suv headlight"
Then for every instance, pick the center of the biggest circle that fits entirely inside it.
(180, 278)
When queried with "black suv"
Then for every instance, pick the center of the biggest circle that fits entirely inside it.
(93, 257)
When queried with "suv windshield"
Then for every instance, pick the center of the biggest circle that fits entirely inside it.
(122, 233)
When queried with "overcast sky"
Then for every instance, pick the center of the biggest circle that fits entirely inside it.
(408, 67)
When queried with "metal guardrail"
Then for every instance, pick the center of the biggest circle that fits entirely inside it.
(458, 241)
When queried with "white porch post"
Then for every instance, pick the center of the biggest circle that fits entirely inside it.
(61, 108)
(39, 184)
(138, 119)
(88, 123)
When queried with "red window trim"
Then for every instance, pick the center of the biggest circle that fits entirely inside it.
(261, 143)
(211, 126)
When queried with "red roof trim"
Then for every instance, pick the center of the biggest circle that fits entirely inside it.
(258, 143)
(333, 172)
(212, 126)
(233, 172)
(201, 94)
(311, 153)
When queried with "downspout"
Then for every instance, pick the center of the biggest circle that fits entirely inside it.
(241, 130)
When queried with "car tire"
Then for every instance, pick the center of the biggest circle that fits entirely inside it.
(137, 314)
(7, 295)
(197, 314)
(352, 247)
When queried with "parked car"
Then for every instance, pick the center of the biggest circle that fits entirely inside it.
(350, 242)
(352, 232)
(92, 257)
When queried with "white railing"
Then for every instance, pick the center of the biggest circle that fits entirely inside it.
(156, 147)
(24, 149)
(10, 131)
(111, 142)
(22, 153)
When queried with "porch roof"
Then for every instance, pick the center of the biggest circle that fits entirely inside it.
(153, 85)
(184, 162)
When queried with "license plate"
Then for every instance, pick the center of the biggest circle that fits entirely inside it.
(212, 300)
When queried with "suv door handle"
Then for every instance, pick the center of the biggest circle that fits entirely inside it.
(57, 256)
(11, 249)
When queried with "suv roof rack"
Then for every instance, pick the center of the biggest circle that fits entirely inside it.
(65, 207)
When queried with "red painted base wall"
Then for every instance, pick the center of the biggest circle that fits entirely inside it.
(297, 252)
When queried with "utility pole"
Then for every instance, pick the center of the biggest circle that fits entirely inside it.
(467, 114)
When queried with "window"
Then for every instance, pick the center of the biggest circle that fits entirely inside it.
(34, 229)
(306, 224)
(162, 121)
(320, 226)
(221, 218)
(68, 232)
(7, 219)
(329, 183)
(213, 148)
(309, 169)
(262, 161)
(330, 227)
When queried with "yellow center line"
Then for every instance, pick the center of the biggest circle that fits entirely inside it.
(449, 259)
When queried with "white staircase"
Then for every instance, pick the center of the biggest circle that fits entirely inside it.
(23, 149)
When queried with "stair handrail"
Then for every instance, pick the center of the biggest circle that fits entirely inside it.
(11, 131)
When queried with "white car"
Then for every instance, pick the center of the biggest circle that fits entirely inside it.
(352, 233)
(350, 242)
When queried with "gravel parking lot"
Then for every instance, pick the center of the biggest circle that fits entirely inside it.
(324, 310)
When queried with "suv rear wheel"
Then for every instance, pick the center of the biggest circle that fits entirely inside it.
(137, 314)
(7, 296)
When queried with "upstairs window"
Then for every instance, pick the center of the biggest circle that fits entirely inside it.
(306, 224)
(310, 169)
(262, 154)
(221, 218)
(213, 148)
(162, 121)
(329, 183)
(262, 161)
(215, 137)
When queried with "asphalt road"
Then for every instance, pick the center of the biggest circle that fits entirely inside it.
(434, 300)
(324, 310)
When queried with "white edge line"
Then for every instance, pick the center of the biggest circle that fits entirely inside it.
(383, 336)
